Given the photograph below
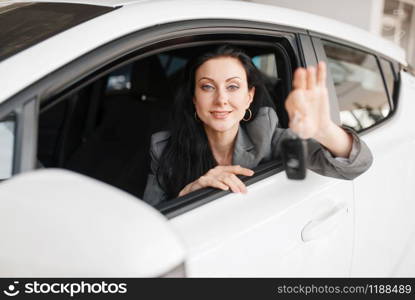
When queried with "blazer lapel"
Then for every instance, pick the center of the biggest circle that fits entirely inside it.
(244, 151)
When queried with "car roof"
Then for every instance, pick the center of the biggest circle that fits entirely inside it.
(47, 56)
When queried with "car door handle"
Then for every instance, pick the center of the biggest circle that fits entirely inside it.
(323, 225)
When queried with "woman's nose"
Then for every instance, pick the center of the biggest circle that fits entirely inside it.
(222, 97)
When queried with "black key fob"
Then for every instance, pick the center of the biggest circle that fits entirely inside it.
(294, 151)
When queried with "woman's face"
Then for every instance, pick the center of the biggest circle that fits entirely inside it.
(221, 94)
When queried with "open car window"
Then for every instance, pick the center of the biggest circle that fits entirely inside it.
(104, 129)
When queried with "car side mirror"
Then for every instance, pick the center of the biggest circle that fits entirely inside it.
(294, 157)
(57, 223)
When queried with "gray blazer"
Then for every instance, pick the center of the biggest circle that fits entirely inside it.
(260, 142)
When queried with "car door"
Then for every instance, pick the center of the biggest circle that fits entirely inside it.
(385, 226)
(382, 111)
(280, 227)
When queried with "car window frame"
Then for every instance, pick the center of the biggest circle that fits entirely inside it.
(9, 118)
(394, 95)
(87, 68)
(25, 114)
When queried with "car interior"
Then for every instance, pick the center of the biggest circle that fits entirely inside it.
(103, 130)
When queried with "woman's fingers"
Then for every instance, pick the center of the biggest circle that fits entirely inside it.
(224, 178)
(311, 78)
(212, 181)
(239, 183)
(234, 183)
(238, 170)
(220, 185)
(300, 79)
(321, 73)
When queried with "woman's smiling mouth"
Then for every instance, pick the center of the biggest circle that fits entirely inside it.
(220, 114)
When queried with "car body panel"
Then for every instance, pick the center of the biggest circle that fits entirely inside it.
(260, 233)
(385, 194)
(56, 52)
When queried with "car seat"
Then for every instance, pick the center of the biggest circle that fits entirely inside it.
(117, 152)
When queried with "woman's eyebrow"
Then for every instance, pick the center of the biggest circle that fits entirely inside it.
(210, 79)
(232, 78)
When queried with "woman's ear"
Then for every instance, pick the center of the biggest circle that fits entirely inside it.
(251, 94)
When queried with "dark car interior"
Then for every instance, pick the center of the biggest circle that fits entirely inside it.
(104, 129)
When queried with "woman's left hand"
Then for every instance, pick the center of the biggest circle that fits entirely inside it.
(309, 111)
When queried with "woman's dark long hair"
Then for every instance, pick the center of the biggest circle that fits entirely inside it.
(187, 155)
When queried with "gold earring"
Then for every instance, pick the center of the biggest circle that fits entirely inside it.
(196, 118)
(250, 115)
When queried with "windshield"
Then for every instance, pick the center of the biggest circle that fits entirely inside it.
(25, 24)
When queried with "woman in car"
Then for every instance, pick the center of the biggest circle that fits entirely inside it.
(224, 126)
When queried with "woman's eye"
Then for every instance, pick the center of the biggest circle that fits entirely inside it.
(233, 87)
(207, 87)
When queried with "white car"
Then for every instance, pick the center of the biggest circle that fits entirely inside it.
(85, 84)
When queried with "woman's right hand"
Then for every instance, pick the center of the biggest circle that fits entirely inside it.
(221, 177)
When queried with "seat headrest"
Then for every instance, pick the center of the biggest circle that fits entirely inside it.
(148, 80)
